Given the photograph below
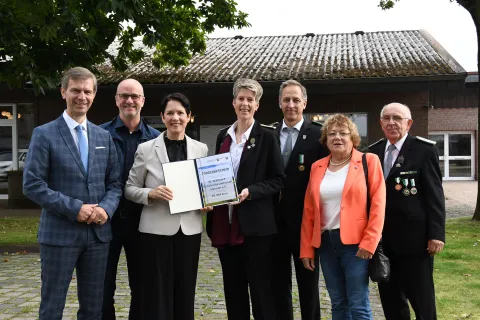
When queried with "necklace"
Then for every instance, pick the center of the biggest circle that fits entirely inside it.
(340, 163)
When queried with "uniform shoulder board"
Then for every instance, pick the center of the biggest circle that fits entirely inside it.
(317, 124)
(375, 143)
(268, 126)
(226, 128)
(426, 140)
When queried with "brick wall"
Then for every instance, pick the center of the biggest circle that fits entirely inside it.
(453, 119)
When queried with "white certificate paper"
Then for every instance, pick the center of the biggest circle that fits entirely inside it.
(199, 183)
(217, 179)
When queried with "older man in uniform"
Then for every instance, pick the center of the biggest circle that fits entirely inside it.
(414, 228)
(300, 145)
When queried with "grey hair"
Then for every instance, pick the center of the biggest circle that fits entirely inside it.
(408, 113)
(249, 84)
(78, 73)
(292, 82)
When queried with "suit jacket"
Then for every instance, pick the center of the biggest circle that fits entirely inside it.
(54, 178)
(289, 207)
(411, 221)
(261, 171)
(147, 174)
(355, 228)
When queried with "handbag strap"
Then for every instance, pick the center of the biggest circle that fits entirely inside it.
(365, 171)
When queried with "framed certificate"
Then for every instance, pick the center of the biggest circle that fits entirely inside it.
(199, 183)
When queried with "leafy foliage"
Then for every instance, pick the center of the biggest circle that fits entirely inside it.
(39, 39)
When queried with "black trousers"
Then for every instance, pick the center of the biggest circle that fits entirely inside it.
(244, 266)
(168, 276)
(126, 235)
(411, 279)
(285, 247)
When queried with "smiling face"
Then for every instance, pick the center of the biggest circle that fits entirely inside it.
(129, 99)
(245, 104)
(339, 141)
(292, 104)
(395, 122)
(79, 96)
(175, 118)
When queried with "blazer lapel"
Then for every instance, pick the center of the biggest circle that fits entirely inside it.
(317, 179)
(293, 159)
(160, 148)
(191, 148)
(397, 165)
(353, 171)
(92, 143)
(67, 137)
(251, 143)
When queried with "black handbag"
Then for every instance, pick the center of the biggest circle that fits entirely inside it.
(379, 265)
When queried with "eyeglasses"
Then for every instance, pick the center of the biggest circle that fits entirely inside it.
(394, 118)
(125, 96)
(333, 134)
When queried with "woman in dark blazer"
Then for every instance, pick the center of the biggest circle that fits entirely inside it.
(244, 232)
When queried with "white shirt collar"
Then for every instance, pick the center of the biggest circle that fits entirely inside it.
(245, 135)
(72, 123)
(298, 126)
(399, 143)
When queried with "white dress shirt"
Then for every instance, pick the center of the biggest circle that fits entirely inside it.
(237, 149)
(295, 133)
(72, 124)
(398, 147)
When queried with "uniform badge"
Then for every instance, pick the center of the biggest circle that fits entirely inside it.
(301, 166)
(304, 136)
(406, 191)
(413, 190)
(398, 186)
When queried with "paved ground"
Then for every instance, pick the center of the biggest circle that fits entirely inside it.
(20, 275)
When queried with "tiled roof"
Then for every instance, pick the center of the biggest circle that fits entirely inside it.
(307, 57)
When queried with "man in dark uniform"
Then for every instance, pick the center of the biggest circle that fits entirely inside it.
(414, 229)
(128, 130)
(300, 146)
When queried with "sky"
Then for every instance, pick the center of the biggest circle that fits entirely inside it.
(449, 23)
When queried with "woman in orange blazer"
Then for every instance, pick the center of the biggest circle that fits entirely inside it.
(335, 218)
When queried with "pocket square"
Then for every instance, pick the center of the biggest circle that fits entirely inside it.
(99, 147)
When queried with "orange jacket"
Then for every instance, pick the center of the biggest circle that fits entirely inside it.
(354, 227)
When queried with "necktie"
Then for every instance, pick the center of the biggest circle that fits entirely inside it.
(389, 161)
(287, 148)
(82, 147)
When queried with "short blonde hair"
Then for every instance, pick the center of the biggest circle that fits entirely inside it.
(249, 84)
(340, 120)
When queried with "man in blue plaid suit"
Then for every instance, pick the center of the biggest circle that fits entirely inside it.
(72, 172)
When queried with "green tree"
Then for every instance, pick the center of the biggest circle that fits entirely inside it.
(473, 7)
(39, 39)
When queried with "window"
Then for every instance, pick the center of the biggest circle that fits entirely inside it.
(456, 154)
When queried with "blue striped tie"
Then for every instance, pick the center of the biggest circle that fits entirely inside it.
(82, 147)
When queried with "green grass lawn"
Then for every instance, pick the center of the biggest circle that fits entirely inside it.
(15, 231)
(457, 271)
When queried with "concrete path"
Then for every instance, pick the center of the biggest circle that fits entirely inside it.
(20, 275)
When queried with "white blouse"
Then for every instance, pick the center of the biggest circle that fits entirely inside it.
(331, 190)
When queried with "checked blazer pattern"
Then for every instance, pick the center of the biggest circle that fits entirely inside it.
(54, 177)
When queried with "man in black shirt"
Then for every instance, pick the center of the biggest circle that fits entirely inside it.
(128, 130)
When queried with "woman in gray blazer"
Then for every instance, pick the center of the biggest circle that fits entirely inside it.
(170, 243)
